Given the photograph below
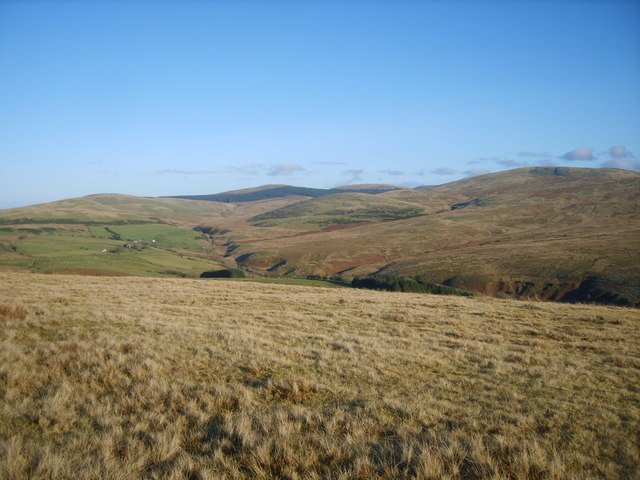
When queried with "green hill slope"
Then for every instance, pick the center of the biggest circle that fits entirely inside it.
(109, 234)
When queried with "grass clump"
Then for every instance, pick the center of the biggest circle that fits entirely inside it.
(13, 312)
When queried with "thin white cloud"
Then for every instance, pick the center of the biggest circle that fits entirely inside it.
(579, 154)
(330, 163)
(481, 160)
(619, 151)
(509, 163)
(392, 172)
(623, 163)
(445, 171)
(475, 171)
(284, 168)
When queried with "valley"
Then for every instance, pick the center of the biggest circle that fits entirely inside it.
(552, 233)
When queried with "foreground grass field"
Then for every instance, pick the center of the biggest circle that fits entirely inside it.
(122, 377)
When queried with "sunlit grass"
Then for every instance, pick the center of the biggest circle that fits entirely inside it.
(163, 235)
(172, 378)
(52, 253)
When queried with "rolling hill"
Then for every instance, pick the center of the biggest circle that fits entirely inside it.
(279, 191)
(552, 233)
(336, 209)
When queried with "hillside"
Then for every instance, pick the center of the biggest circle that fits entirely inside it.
(278, 191)
(113, 209)
(180, 378)
(553, 233)
(337, 209)
(558, 234)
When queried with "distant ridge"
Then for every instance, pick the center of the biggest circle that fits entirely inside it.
(278, 191)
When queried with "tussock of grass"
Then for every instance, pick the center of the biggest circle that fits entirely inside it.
(125, 377)
(13, 312)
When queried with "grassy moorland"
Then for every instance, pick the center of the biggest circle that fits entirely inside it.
(337, 209)
(125, 377)
(70, 235)
(551, 233)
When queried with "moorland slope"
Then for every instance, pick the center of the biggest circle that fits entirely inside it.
(554, 233)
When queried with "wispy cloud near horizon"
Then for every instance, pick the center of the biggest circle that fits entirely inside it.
(394, 173)
(354, 176)
(622, 163)
(445, 171)
(579, 154)
(284, 169)
(252, 170)
(509, 163)
(619, 151)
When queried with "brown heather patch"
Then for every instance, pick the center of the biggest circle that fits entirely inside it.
(330, 228)
(258, 263)
(362, 259)
(294, 390)
(343, 226)
(170, 378)
(13, 312)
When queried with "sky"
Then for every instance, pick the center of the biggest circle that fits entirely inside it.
(156, 98)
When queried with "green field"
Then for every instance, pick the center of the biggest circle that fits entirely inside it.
(50, 253)
(54, 245)
(136, 249)
(15, 262)
(100, 232)
(166, 236)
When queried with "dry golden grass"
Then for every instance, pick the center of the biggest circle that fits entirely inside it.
(168, 378)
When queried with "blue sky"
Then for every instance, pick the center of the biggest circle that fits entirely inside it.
(158, 98)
